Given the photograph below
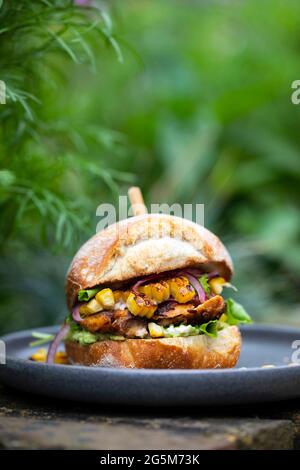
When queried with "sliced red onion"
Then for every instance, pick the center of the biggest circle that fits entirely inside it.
(198, 273)
(76, 314)
(194, 271)
(151, 277)
(56, 342)
(212, 274)
(196, 285)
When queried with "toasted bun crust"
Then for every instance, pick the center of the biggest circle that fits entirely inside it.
(146, 244)
(192, 352)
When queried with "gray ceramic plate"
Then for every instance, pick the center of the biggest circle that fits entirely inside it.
(248, 382)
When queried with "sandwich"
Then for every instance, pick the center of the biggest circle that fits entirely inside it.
(147, 292)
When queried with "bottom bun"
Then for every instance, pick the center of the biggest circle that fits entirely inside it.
(191, 352)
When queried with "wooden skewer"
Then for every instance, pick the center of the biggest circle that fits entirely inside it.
(137, 201)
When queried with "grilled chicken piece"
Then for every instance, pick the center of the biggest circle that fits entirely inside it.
(175, 314)
(210, 309)
(118, 322)
(122, 322)
(100, 322)
(126, 325)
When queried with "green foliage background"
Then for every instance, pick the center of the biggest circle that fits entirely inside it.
(189, 99)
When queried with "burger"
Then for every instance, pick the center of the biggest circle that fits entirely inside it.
(147, 292)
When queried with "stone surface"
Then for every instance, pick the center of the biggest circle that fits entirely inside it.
(33, 422)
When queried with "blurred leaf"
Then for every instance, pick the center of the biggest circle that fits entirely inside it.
(7, 178)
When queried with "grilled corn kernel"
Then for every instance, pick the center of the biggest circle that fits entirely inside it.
(181, 289)
(160, 291)
(84, 310)
(223, 317)
(140, 305)
(135, 304)
(216, 285)
(147, 290)
(155, 330)
(61, 358)
(40, 355)
(106, 298)
(93, 306)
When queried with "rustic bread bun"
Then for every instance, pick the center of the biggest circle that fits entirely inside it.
(146, 244)
(192, 352)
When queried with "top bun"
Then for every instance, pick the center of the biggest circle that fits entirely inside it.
(141, 245)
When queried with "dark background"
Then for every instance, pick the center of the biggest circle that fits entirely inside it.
(190, 100)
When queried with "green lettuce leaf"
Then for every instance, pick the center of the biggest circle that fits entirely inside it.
(205, 284)
(86, 294)
(83, 337)
(210, 328)
(69, 320)
(236, 313)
